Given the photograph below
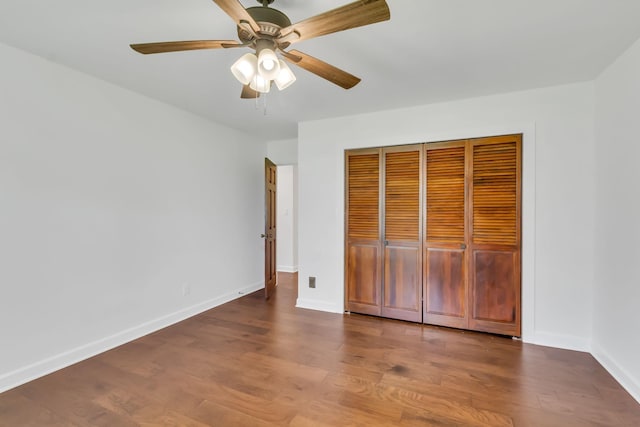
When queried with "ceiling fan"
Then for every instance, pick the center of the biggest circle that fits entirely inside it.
(267, 30)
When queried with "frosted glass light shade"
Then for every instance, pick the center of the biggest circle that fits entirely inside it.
(245, 68)
(260, 84)
(268, 64)
(285, 77)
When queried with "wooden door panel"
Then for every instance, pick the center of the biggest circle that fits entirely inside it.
(402, 282)
(495, 284)
(445, 281)
(445, 190)
(270, 262)
(495, 193)
(363, 256)
(495, 204)
(363, 196)
(363, 278)
(445, 299)
(402, 196)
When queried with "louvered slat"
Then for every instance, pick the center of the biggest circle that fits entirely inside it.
(363, 195)
(402, 196)
(445, 194)
(495, 193)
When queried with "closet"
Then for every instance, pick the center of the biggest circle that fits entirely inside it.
(433, 234)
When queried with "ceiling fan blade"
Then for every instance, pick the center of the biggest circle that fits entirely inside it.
(238, 13)
(353, 15)
(322, 69)
(161, 47)
(248, 93)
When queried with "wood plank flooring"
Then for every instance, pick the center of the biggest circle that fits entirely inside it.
(257, 363)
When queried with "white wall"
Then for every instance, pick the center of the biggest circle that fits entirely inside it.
(112, 206)
(283, 152)
(617, 293)
(558, 196)
(286, 242)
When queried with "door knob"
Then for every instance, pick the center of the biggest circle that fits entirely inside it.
(463, 246)
(263, 235)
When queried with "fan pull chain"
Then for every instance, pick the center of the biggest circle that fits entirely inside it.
(264, 103)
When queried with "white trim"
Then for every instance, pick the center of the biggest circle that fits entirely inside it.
(616, 370)
(288, 268)
(528, 131)
(67, 358)
(528, 249)
(566, 342)
(319, 306)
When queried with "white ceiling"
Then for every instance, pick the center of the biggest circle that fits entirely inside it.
(430, 51)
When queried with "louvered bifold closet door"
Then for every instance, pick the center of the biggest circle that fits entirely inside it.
(495, 227)
(445, 255)
(402, 284)
(363, 232)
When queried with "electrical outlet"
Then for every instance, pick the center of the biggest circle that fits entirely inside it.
(186, 289)
(312, 282)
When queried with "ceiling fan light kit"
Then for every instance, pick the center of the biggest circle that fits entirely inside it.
(268, 32)
(258, 71)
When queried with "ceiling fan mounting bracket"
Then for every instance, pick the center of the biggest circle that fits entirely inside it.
(270, 21)
(265, 2)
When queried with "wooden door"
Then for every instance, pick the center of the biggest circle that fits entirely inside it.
(270, 270)
(433, 233)
(402, 277)
(362, 228)
(495, 230)
(472, 234)
(445, 254)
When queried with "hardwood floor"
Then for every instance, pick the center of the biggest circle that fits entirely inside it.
(257, 363)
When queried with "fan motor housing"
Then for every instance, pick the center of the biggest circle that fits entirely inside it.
(270, 21)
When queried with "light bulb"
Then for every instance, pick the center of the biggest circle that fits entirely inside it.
(268, 65)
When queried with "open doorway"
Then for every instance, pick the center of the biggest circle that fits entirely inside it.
(287, 225)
